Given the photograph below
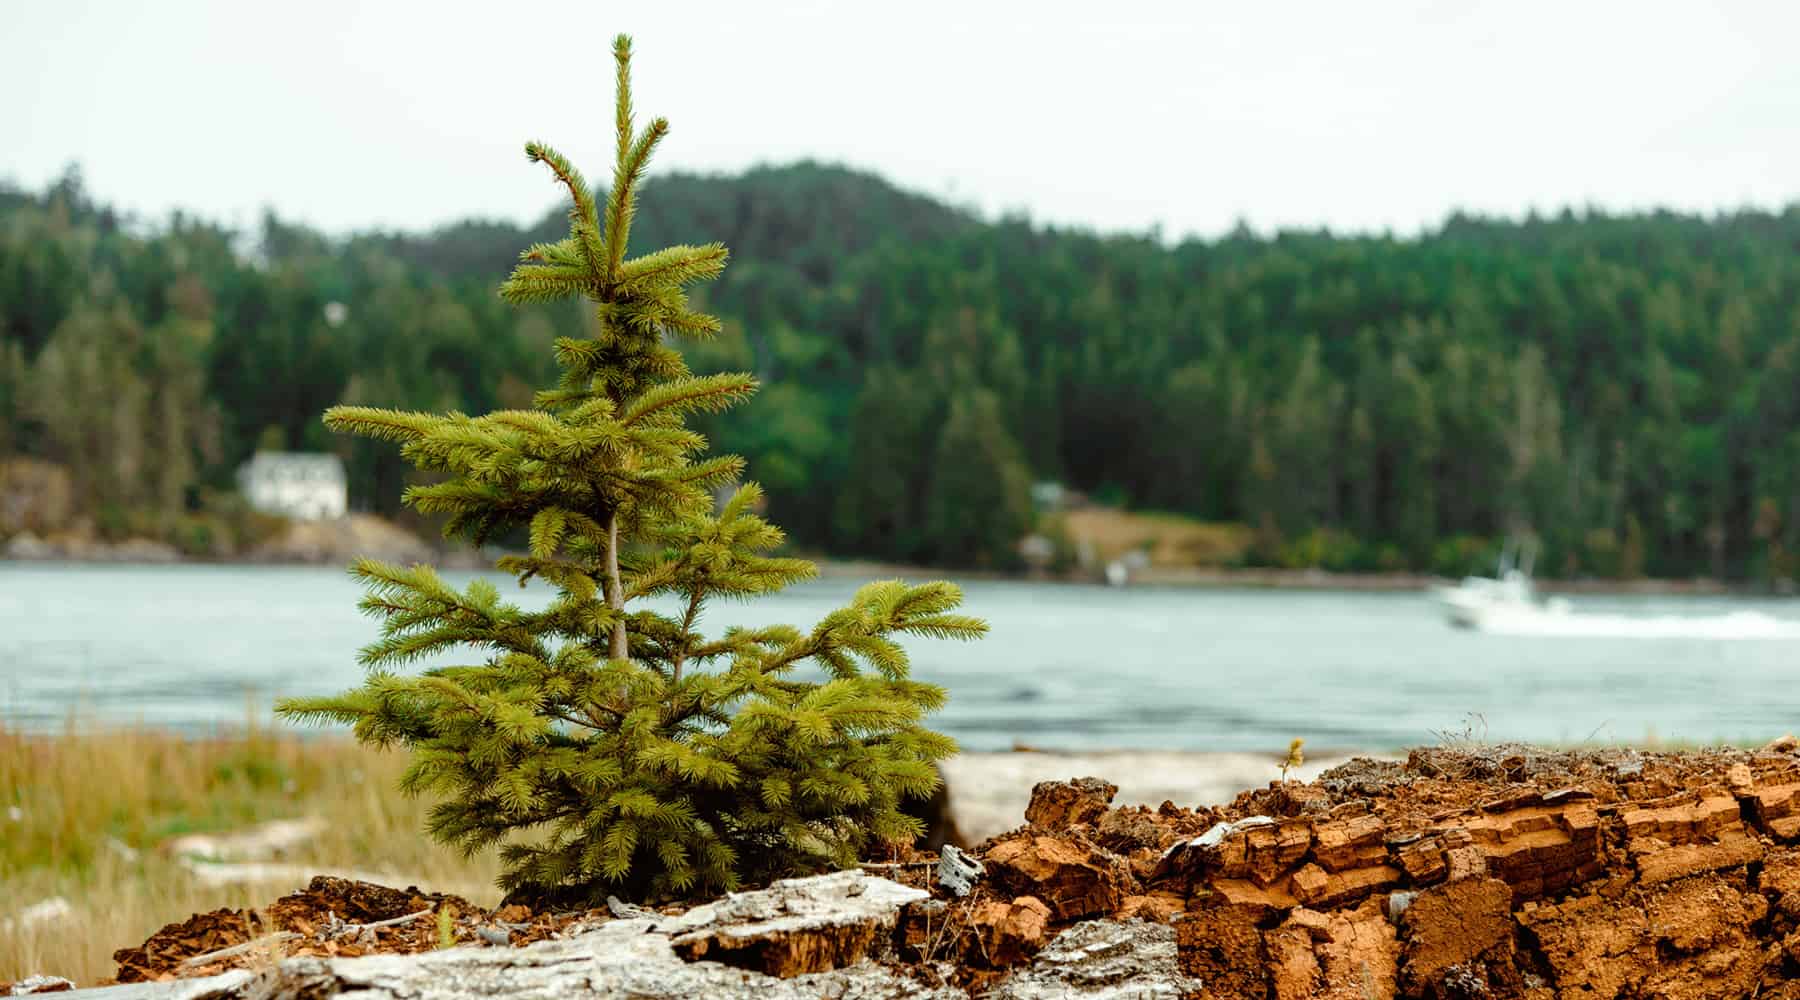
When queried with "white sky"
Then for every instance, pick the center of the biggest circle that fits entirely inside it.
(1355, 115)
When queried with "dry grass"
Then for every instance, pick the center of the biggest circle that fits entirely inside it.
(1169, 539)
(82, 814)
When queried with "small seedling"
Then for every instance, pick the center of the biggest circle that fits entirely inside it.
(1296, 756)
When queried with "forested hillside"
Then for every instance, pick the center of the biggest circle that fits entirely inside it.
(1626, 387)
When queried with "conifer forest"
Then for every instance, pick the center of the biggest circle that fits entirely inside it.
(1624, 387)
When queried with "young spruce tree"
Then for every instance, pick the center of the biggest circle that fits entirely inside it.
(609, 746)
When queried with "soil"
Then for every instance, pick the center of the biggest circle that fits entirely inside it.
(1463, 871)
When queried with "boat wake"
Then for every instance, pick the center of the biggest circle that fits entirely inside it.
(1546, 622)
(1509, 604)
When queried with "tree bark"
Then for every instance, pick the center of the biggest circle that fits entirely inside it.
(615, 589)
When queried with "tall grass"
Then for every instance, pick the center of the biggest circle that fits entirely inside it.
(1168, 539)
(82, 814)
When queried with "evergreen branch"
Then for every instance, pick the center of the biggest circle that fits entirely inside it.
(928, 598)
(617, 713)
(566, 252)
(398, 649)
(650, 313)
(580, 195)
(655, 578)
(579, 357)
(664, 440)
(621, 199)
(621, 203)
(375, 422)
(622, 94)
(695, 599)
(556, 399)
(715, 471)
(547, 528)
(571, 720)
(763, 576)
(584, 226)
(531, 283)
(742, 500)
(694, 324)
(340, 709)
(706, 393)
(460, 496)
(963, 627)
(671, 267)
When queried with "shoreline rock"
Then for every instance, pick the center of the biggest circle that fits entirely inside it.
(329, 542)
(988, 791)
(28, 547)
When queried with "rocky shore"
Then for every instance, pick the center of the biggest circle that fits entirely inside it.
(1458, 872)
(329, 542)
(987, 793)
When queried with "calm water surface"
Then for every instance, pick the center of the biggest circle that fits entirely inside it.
(1066, 666)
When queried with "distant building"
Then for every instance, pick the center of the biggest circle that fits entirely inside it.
(1051, 497)
(299, 484)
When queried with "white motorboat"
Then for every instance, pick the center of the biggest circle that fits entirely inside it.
(1508, 604)
(1503, 601)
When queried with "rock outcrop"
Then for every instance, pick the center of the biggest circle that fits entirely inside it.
(1472, 872)
(1459, 873)
(341, 540)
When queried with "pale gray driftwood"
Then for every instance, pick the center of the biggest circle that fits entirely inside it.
(840, 925)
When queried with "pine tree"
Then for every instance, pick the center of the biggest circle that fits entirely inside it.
(880, 510)
(611, 747)
(979, 503)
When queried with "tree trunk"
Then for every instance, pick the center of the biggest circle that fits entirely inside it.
(615, 589)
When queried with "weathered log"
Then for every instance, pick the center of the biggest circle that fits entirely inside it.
(797, 940)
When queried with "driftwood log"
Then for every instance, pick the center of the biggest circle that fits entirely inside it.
(827, 936)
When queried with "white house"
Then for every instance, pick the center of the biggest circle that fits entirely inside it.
(300, 484)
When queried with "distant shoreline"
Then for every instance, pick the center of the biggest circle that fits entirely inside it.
(140, 552)
(1315, 579)
(337, 542)
(1282, 579)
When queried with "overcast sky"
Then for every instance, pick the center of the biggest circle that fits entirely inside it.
(1115, 115)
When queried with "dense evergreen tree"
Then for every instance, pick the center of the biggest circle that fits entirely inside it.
(881, 507)
(979, 501)
(125, 407)
(606, 742)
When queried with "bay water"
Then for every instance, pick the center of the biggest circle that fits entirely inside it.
(1067, 666)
